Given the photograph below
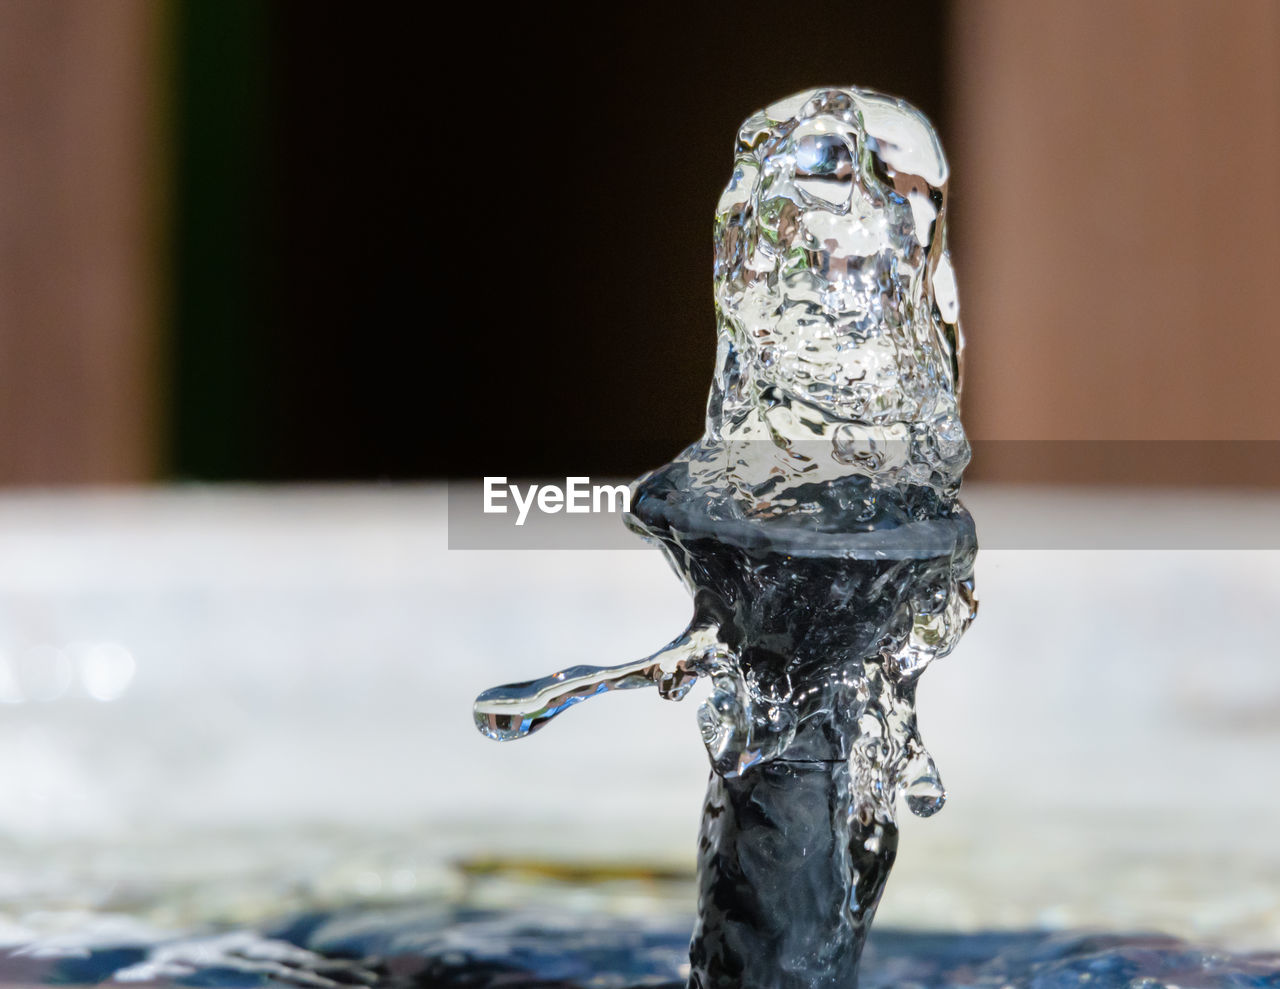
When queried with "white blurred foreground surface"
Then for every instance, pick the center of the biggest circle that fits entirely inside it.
(226, 705)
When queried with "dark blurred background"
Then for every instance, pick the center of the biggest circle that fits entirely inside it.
(409, 248)
(250, 240)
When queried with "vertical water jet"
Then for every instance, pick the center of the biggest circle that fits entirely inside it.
(817, 526)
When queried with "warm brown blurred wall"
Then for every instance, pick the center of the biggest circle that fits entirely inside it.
(1117, 217)
(80, 188)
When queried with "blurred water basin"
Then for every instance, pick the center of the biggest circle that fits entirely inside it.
(228, 706)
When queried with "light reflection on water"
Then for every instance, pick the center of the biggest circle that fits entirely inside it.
(42, 673)
(425, 946)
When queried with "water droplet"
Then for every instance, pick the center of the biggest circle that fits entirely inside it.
(924, 794)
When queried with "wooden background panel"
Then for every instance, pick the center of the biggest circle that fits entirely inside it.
(1117, 217)
(80, 182)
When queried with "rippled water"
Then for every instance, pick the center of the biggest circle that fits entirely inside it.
(437, 946)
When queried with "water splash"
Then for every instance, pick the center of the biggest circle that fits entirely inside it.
(519, 709)
(839, 335)
(817, 527)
